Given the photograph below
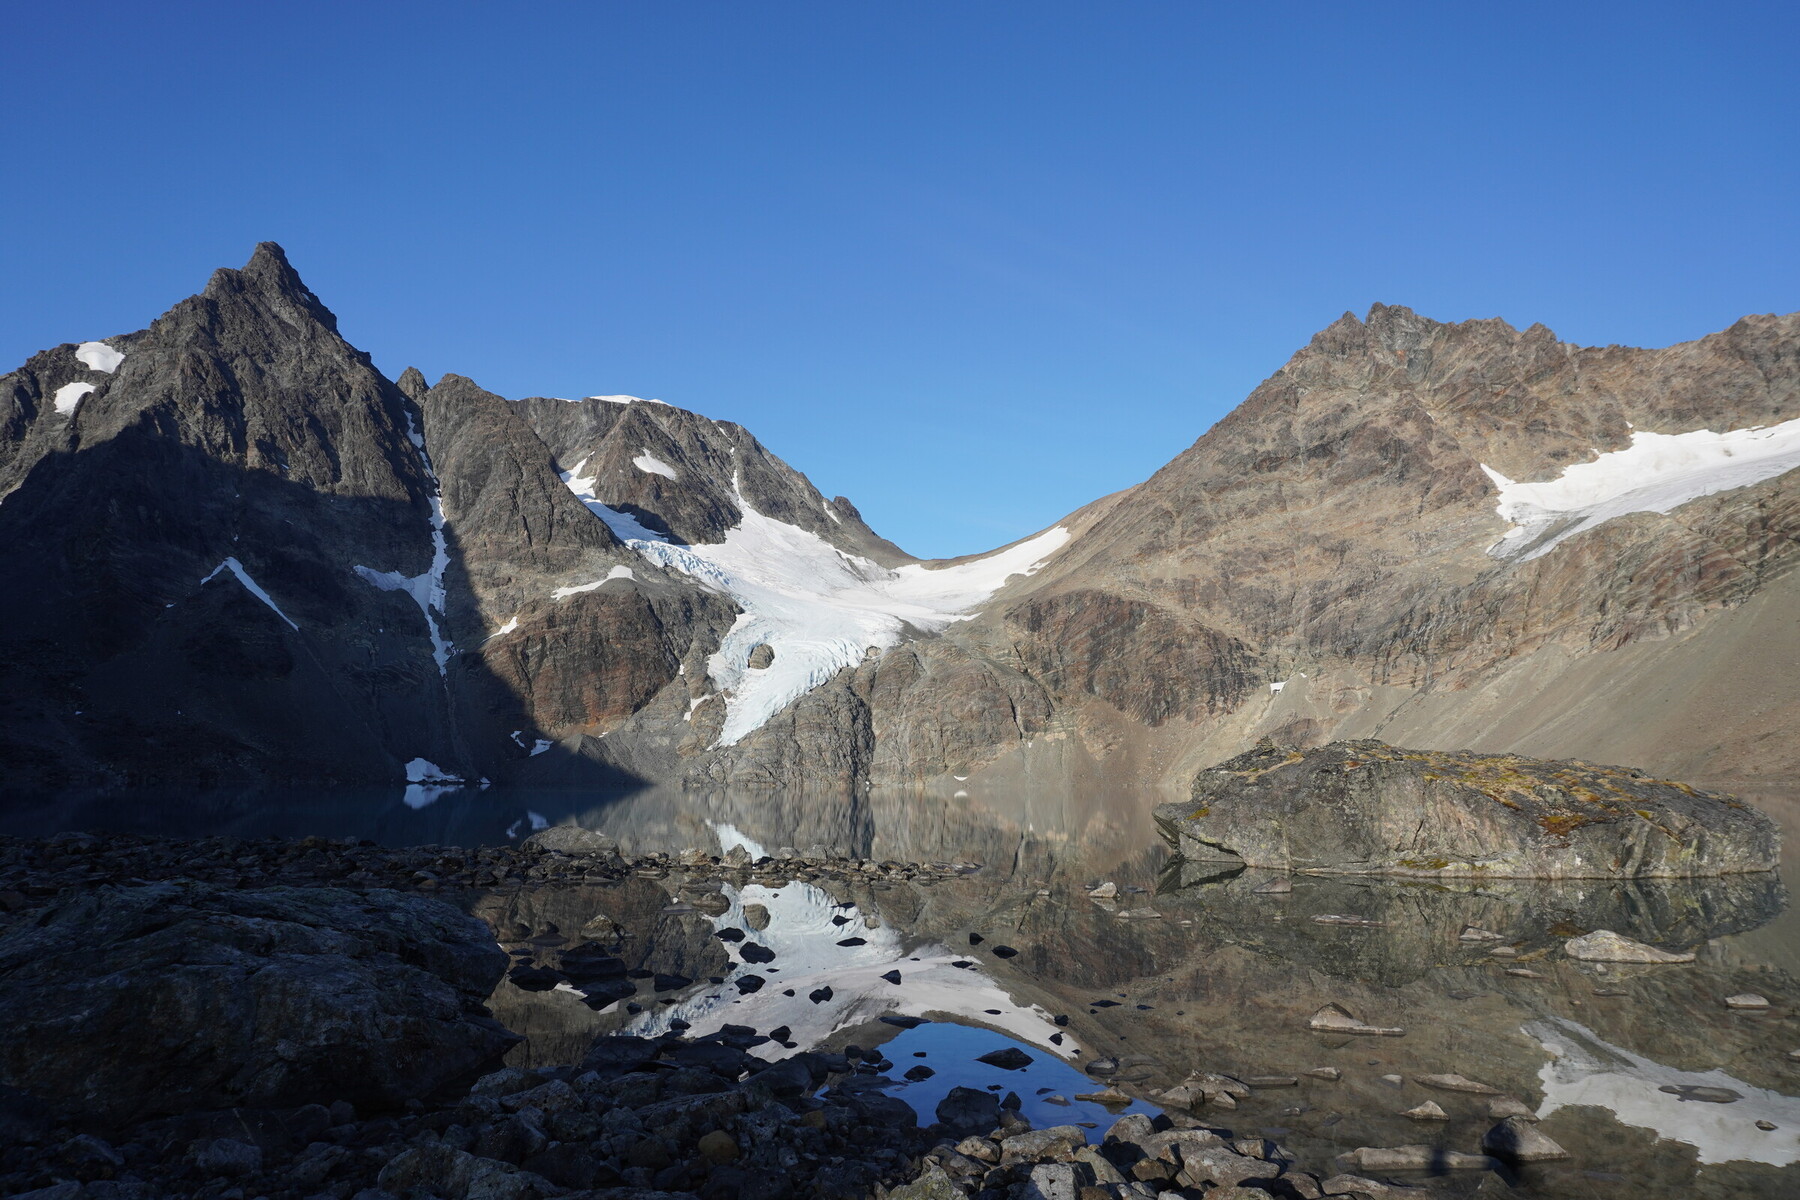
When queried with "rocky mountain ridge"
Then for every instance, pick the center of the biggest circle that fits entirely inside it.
(251, 556)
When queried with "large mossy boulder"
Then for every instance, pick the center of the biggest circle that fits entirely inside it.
(1365, 807)
(169, 998)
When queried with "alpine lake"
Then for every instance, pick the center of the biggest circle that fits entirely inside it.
(1055, 924)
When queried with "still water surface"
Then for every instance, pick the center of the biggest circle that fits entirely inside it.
(1178, 973)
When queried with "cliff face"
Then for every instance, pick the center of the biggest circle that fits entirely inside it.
(250, 556)
(1332, 535)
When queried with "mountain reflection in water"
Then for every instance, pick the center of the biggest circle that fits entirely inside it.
(1181, 972)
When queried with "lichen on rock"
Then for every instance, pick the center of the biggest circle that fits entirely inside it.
(1364, 807)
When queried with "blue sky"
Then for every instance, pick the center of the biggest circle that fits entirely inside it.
(971, 264)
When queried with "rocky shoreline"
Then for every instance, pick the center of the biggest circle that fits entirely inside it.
(164, 1109)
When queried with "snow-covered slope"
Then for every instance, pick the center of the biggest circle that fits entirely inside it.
(819, 609)
(1657, 473)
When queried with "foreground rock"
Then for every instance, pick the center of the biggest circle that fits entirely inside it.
(168, 998)
(1365, 807)
(667, 1118)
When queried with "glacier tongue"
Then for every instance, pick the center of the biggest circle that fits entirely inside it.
(818, 608)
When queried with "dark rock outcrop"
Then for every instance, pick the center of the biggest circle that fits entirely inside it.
(240, 428)
(689, 476)
(168, 998)
(1365, 807)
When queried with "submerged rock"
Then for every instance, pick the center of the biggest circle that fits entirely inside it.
(170, 998)
(1517, 1140)
(1364, 807)
(1335, 1018)
(1603, 945)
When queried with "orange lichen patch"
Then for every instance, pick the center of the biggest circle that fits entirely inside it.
(1562, 824)
(1199, 812)
(1293, 757)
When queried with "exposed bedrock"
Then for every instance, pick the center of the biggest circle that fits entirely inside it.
(168, 998)
(1364, 807)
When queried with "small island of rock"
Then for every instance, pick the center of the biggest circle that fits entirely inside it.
(1364, 807)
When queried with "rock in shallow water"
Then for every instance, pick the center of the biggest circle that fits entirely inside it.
(169, 998)
(1365, 807)
(1603, 945)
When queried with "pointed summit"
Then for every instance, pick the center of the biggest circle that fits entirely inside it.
(271, 278)
(412, 384)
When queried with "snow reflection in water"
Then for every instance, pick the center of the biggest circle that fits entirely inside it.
(1584, 1069)
(810, 955)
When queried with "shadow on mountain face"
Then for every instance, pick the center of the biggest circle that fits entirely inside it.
(133, 659)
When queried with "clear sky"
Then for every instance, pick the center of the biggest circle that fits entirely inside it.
(969, 262)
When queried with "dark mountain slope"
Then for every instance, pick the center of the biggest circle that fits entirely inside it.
(238, 427)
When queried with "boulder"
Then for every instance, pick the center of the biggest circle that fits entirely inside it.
(1518, 1140)
(1364, 807)
(168, 998)
(572, 839)
(968, 1111)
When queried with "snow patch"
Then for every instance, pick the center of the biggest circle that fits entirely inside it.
(626, 400)
(427, 588)
(251, 586)
(652, 465)
(423, 770)
(98, 356)
(616, 573)
(69, 395)
(624, 526)
(538, 747)
(512, 623)
(1657, 473)
(537, 821)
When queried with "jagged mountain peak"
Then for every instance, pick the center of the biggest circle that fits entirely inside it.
(688, 476)
(412, 384)
(270, 279)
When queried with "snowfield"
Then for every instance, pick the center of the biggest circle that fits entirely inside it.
(1586, 1070)
(98, 356)
(68, 397)
(565, 592)
(652, 465)
(818, 608)
(1657, 473)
